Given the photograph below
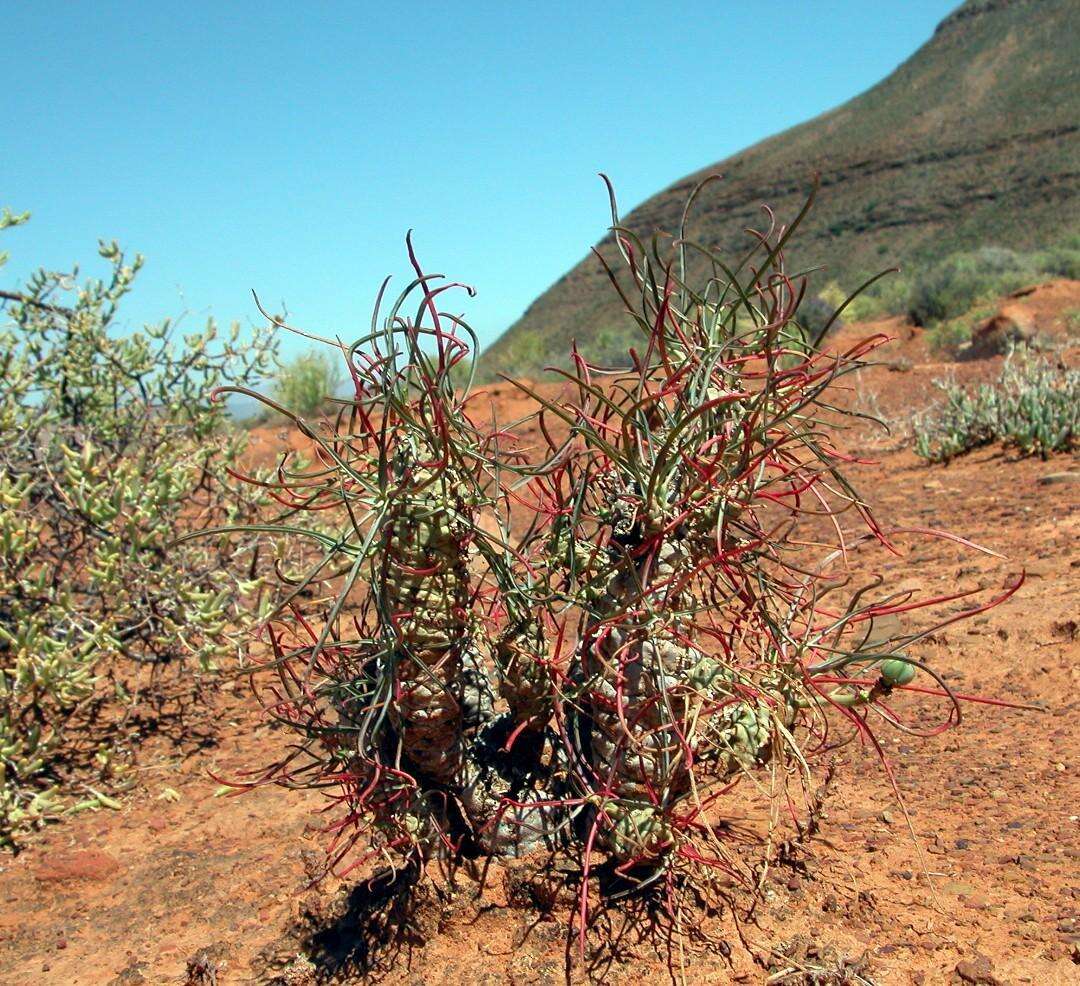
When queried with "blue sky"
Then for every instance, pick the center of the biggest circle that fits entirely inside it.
(287, 147)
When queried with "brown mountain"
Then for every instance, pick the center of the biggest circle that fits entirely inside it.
(973, 141)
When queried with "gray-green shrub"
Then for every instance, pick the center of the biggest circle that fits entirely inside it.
(110, 447)
(951, 288)
(1033, 406)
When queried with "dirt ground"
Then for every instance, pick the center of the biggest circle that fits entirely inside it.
(182, 883)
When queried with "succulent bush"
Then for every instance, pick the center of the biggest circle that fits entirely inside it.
(576, 633)
(1033, 406)
(110, 450)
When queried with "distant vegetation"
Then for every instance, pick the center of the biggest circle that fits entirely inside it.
(949, 288)
(112, 449)
(949, 297)
(305, 383)
(1034, 407)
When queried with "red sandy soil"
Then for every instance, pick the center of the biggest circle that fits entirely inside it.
(220, 884)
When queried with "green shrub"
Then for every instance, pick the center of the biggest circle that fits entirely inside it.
(305, 383)
(833, 295)
(888, 296)
(951, 288)
(1034, 406)
(1063, 259)
(944, 289)
(111, 449)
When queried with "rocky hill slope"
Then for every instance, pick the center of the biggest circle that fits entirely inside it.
(974, 140)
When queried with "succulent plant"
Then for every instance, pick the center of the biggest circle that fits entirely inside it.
(1033, 406)
(581, 646)
(110, 448)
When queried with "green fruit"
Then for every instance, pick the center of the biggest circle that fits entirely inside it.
(897, 672)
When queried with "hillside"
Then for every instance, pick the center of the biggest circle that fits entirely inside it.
(974, 140)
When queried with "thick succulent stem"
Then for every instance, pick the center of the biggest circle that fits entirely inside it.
(427, 595)
(524, 682)
(635, 660)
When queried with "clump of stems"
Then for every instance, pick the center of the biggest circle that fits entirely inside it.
(584, 643)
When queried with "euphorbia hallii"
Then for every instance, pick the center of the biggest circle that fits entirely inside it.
(581, 644)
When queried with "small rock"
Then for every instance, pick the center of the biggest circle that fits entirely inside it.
(85, 864)
(977, 971)
(955, 887)
(1065, 628)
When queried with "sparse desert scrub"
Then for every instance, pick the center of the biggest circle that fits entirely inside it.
(1033, 406)
(953, 286)
(948, 290)
(110, 450)
(578, 644)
